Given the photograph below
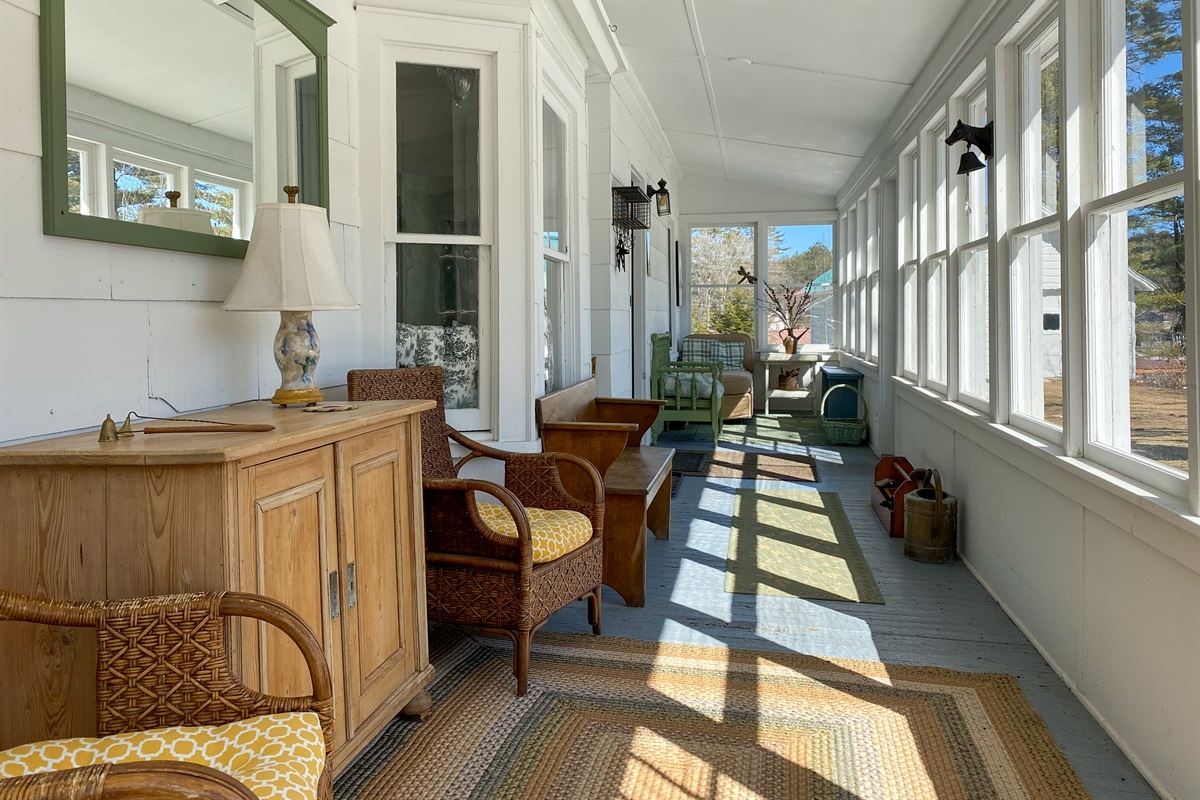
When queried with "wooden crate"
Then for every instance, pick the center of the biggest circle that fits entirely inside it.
(894, 478)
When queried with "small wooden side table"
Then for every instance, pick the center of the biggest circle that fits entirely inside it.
(805, 362)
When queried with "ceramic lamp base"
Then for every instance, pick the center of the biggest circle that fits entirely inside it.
(297, 350)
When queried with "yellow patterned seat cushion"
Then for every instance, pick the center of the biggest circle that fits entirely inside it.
(554, 533)
(277, 756)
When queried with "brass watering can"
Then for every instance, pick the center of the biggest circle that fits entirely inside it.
(930, 522)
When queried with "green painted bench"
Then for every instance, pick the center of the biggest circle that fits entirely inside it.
(679, 385)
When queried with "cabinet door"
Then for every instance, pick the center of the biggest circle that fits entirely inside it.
(379, 548)
(289, 553)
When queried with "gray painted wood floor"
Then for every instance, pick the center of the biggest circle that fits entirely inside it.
(935, 615)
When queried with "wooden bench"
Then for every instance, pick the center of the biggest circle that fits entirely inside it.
(608, 432)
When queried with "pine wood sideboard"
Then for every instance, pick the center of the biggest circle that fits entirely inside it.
(323, 513)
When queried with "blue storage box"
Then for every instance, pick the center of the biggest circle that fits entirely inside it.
(841, 405)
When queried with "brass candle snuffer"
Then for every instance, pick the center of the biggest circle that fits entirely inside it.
(110, 433)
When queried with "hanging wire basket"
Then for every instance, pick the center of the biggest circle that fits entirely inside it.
(844, 431)
(631, 208)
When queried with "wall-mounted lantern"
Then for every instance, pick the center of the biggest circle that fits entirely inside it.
(662, 198)
(630, 212)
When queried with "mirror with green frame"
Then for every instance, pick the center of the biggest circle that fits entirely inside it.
(166, 121)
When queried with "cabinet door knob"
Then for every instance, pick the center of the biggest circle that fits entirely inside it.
(352, 598)
(334, 603)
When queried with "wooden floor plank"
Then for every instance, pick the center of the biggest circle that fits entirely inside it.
(937, 615)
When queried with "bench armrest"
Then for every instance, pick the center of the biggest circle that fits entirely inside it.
(599, 442)
(641, 413)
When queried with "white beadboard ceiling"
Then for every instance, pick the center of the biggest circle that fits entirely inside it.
(824, 77)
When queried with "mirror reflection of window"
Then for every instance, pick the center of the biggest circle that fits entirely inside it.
(161, 94)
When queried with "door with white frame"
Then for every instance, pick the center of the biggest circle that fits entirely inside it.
(438, 213)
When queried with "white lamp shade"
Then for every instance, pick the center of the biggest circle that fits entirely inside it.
(290, 265)
(181, 219)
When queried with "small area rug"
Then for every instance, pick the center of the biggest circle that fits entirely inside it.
(761, 466)
(796, 544)
(690, 462)
(618, 718)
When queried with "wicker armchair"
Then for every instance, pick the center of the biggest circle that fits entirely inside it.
(474, 575)
(162, 662)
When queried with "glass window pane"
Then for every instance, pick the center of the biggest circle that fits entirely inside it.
(308, 150)
(914, 208)
(437, 149)
(554, 308)
(935, 304)
(723, 310)
(1153, 91)
(718, 253)
(437, 315)
(554, 181)
(797, 254)
(977, 181)
(1050, 82)
(911, 334)
(821, 312)
(1037, 327)
(74, 180)
(937, 154)
(219, 202)
(135, 187)
(973, 322)
(1143, 408)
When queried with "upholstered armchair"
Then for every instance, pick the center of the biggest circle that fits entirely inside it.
(506, 565)
(172, 719)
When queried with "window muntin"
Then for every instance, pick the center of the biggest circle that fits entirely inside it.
(1139, 374)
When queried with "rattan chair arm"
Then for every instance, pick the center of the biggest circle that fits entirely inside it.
(589, 469)
(171, 780)
(465, 489)
(143, 780)
(271, 611)
(24, 608)
(477, 449)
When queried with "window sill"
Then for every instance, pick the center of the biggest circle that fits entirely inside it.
(1101, 491)
(869, 369)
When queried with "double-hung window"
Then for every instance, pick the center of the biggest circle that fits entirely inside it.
(555, 246)
(1137, 276)
(934, 250)
(910, 212)
(1035, 277)
(719, 302)
(440, 227)
(973, 315)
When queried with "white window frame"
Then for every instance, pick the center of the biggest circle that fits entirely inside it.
(1028, 54)
(910, 342)
(243, 199)
(569, 301)
(973, 331)
(94, 165)
(482, 417)
(934, 233)
(177, 176)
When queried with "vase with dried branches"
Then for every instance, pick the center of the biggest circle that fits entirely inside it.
(791, 305)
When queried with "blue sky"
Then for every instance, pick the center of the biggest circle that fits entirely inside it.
(798, 238)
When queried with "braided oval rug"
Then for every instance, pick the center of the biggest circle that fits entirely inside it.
(619, 718)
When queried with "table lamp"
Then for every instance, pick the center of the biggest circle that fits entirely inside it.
(290, 268)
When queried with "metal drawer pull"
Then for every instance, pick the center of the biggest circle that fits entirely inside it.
(353, 598)
(334, 605)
